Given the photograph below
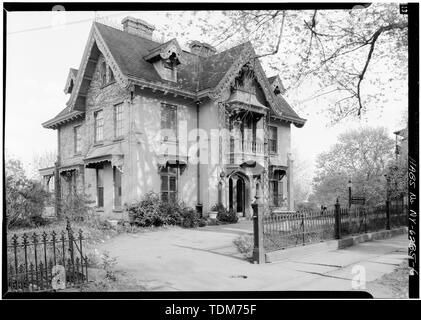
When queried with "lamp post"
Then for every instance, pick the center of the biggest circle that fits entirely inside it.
(349, 193)
(387, 202)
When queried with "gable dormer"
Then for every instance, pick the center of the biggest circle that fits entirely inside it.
(70, 82)
(277, 85)
(165, 59)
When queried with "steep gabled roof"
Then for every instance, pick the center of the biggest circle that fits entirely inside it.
(127, 55)
(129, 52)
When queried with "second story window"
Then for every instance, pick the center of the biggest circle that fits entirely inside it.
(118, 120)
(273, 139)
(99, 126)
(77, 140)
(169, 122)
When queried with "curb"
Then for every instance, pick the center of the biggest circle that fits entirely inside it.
(331, 245)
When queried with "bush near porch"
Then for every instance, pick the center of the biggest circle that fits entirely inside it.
(152, 211)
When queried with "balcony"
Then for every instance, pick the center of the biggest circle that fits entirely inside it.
(244, 150)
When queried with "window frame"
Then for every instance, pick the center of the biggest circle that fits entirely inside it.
(118, 130)
(96, 140)
(77, 140)
(110, 77)
(174, 108)
(103, 72)
(166, 174)
(273, 142)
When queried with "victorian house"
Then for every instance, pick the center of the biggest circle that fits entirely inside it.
(200, 126)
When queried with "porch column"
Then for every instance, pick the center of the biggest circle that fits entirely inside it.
(289, 183)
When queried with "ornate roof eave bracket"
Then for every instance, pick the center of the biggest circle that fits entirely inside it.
(298, 122)
(95, 37)
(166, 50)
(162, 87)
(55, 123)
(245, 106)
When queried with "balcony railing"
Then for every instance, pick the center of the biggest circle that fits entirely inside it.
(246, 146)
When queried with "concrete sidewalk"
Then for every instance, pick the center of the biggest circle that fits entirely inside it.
(206, 259)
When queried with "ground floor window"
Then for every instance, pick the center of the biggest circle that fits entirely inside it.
(169, 183)
(100, 187)
(117, 187)
(276, 189)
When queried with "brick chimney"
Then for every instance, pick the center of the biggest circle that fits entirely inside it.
(138, 27)
(201, 49)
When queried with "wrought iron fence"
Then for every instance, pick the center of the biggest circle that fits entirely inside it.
(46, 262)
(283, 230)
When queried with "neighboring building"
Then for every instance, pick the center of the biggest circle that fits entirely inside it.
(130, 125)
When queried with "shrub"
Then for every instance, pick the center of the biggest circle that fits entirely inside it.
(191, 218)
(25, 198)
(227, 216)
(108, 264)
(152, 211)
(76, 206)
(245, 245)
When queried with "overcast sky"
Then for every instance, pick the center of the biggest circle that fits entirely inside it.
(40, 52)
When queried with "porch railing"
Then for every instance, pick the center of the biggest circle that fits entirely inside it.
(246, 146)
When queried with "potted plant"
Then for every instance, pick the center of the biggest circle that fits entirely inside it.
(213, 212)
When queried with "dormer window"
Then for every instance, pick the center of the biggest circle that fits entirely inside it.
(169, 64)
(165, 59)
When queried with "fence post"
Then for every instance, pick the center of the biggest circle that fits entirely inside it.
(387, 214)
(258, 251)
(337, 219)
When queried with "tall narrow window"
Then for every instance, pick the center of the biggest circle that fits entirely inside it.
(103, 72)
(118, 120)
(100, 187)
(169, 121)
(273, 139)
(169, 184)
(117, 188)
(273, 187)
(78, 140)
(110, 75)
(99, 126)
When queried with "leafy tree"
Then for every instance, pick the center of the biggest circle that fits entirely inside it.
(352, 56)
(361, 155)
(25, 198)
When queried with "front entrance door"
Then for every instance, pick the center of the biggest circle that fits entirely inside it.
(240, 197)
(237, 195)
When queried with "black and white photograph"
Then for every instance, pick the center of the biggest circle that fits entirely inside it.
(210, 149)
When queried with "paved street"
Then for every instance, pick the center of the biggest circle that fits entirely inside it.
(205, 259)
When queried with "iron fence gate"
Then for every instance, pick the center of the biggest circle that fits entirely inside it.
(46, 262)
